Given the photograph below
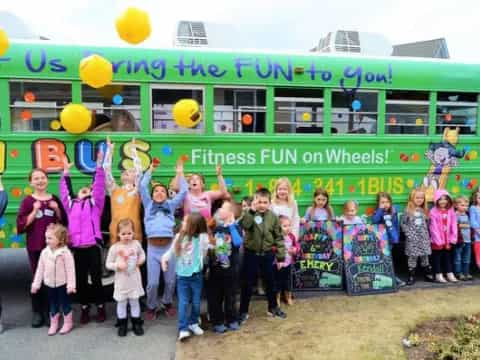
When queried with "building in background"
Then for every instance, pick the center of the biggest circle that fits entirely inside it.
(436, 48)
(16, 27)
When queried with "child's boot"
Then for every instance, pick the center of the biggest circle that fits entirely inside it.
(101, 313)
(52, 330)
(439, 278)
(67, 323)
(288, 298)
(428, 273)
(451, 277)
(122, 327)
(411, 277)
(137, 326)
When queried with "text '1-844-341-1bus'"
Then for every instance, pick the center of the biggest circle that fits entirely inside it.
(350, 124)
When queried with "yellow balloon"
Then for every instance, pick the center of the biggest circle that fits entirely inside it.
(473, 155)
(419, 122)
(4, 42)
(133, 25)
(76, 118)
(96, 71)
(186, 113)
(55, 125)
(306, 116)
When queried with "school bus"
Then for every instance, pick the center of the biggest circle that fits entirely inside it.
(354, 125)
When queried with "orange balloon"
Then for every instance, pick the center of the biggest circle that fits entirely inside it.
(29, 97)
(26, 115)
(247, 119)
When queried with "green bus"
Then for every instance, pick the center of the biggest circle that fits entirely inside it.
(353, 125)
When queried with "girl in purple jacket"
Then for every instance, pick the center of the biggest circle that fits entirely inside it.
(84, 212)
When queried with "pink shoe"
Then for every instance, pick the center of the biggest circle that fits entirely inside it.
(67, 323)
(52, 330)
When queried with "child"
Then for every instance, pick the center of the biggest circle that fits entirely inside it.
(443, 233)
(474, 213)
(56, 269)
(36, 212)
(123, 120)
(350, 211)
(190, 248)
(320, 209)
(125, 199)
(386, 214)
(283, 203)
(3, 206)
(463, 248)
(125, 258)
(417, 239)
(263, 243)
(221, 285)
(159, 223)
(283, 273)
(198, 200)
(84, 212)
(246, 202)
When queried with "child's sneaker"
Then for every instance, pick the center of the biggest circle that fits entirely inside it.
(451, 277)
(170, 311)
(277, 312)
(219, 329)
(468, 277)
(233, 326)
(183, 334)
(243, 318)
(150, 315)
(195, 329)
(440, 279)
(460, 277)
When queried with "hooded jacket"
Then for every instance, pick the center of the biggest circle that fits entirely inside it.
(55, 268)
(442, 236)
(84, 215)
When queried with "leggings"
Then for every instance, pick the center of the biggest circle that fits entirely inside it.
(122, 308)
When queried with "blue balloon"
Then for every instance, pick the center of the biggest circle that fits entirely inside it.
(167, 150)
(465, 182)
(467, 148)
(356, 105)
(117, 99)
(228, 182)
(2, 221)
(307, 187)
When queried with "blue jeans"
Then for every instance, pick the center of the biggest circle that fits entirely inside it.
(461, 259)
(58, 297)
(189, 290)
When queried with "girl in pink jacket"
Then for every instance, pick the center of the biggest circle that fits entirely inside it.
(443, 234)
(84, 212)
(56, 269)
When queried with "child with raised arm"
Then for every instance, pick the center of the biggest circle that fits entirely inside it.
(263, 244)
(124, 199)
(36, 212)
(125, 257)
(199, 200)
(159, 223)
(221, 284)
(56, 269)
(84, 211)
(190, 249)
(3, 207)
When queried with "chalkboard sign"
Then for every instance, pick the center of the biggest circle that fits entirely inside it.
(319, 265)
(368, 260)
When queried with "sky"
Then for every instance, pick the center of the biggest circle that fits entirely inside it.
(276, 24)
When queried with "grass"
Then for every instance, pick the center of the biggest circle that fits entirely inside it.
(334, 327)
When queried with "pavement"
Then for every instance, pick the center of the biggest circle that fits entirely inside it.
(94, 341)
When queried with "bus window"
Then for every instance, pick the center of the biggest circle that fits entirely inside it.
(298, 111)
(239, 110)
(163, 99)
(457, 109)
(114, 107)
(33, 105)
(407, 112)
(354, 113)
